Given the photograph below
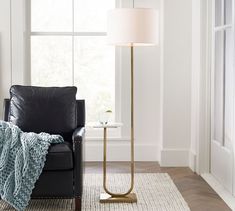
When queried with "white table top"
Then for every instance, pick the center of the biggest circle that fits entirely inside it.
(109, 125)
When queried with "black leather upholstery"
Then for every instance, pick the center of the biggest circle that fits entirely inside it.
(44, 109)
(54, 184)
(59, 157)
(6, 106)
(78, 149)
(40, 109)
(80, 111)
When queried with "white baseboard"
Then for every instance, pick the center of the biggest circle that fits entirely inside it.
(228, 198)
(174, 157)
(192, 161)
(121, 152)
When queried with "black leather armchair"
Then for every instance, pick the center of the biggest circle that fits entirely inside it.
(62, 176)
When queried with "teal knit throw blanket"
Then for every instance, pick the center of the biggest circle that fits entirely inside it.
(22, 158)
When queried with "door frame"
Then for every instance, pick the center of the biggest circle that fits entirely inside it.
(203, 159)
(204, 84)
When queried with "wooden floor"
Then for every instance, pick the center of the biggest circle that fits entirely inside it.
(196, 192)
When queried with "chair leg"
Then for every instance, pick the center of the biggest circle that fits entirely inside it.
(78, 204)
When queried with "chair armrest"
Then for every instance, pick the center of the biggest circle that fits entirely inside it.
(78, 134)
(6, 105)
(78, 152)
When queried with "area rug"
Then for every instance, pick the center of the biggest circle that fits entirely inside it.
(155, 192)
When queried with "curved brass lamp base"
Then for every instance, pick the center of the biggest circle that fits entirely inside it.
(106, 198)
(126, 197)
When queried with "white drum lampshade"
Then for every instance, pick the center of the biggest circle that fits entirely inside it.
(133, 27)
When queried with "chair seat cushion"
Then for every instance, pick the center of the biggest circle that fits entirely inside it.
(59, 157)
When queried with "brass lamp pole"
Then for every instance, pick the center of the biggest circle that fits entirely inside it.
(129, 27)
(127, 197)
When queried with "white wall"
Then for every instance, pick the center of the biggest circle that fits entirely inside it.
(148, 87)
(176, 122)
(200, 106)
(195, 85)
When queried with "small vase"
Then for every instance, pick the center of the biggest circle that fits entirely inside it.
(105, 117)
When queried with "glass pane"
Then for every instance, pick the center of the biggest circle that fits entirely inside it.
(228, 86)
(95, 75)
(219, 87)
(228, 11)
(218, 12)
(51, 15)
(90, 15)
(51, 60)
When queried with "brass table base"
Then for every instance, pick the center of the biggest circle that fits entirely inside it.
(126, 197)
(106, 198)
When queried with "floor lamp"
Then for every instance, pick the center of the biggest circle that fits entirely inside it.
(131, 27)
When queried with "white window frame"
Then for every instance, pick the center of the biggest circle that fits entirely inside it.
(215, 29)
(92, 134)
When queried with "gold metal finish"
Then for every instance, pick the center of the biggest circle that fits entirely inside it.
(127, 197)
(106, 198)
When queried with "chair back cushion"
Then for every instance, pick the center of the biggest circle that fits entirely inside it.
(44, 109)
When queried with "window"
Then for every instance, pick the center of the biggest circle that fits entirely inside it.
(68, 47)
(222, 70)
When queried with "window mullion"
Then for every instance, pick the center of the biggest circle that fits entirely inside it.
(68, 34)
